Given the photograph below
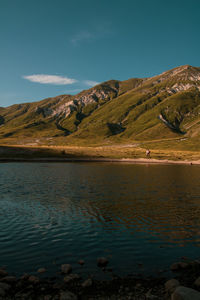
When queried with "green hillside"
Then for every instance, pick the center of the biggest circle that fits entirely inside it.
(162, 108)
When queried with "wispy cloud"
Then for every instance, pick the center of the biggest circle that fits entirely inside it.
(100, 30)
(90, 83)
(50, 79)
(81, 36)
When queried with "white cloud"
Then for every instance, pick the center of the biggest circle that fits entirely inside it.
(81, 36)
(50, 79)
(90, 82)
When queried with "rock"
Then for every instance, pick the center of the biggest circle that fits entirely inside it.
(102, 262)
(81, 262)
(33, 279)
(47, 297)
(41, 270)
(23, 296)
(9, 279)
(149, 296)
(4, 286)
(171, 285)
(2, 293)
(24, 277)
(3, 273)
(66, 295)
(179, 265)
(66, 268)
(197, 282)
(87, 283)
(184, 293)
(71, 277)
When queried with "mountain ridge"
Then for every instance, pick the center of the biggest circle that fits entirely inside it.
(159, 107)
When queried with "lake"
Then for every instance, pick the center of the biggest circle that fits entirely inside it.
(141, 217)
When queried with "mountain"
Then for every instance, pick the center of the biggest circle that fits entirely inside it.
(162, 107)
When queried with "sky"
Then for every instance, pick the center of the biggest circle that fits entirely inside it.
(54, 47)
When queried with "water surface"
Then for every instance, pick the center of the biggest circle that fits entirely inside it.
(54, 213)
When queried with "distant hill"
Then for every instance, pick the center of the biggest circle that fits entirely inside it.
(157, 108)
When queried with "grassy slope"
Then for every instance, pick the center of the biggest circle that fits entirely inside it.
(130, 116)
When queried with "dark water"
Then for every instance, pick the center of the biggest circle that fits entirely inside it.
(54, 213)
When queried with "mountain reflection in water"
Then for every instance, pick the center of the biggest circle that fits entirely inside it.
(58, 212)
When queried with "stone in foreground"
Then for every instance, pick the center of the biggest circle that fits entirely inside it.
(171, 285)
(87, 283)
(66, 295)
(184, 293)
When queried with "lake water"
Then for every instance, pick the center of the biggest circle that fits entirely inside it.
(142, 217)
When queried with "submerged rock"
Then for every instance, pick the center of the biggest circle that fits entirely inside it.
(81, 262)
(102, 262)
(179, 265)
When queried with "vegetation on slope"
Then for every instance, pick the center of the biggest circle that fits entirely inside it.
(158, 108)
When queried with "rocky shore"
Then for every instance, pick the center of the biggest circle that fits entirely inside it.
(184, 284)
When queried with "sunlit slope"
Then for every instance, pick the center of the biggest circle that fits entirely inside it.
(162, 107)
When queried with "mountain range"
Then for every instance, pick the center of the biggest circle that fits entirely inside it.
(163, 107)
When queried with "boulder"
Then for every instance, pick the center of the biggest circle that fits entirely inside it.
(66, 268)
(66, 295)
(184, 293)
(102, 262)
(171, 285)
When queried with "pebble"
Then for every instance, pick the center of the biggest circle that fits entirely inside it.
(71, 277)
(33, 279)
(66, 268)
(66, 295)
(41, 270)
(87, 283)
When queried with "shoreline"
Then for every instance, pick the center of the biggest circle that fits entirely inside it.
(67, 285)
(110, 160)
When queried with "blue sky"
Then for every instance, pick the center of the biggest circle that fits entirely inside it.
(53, 47)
